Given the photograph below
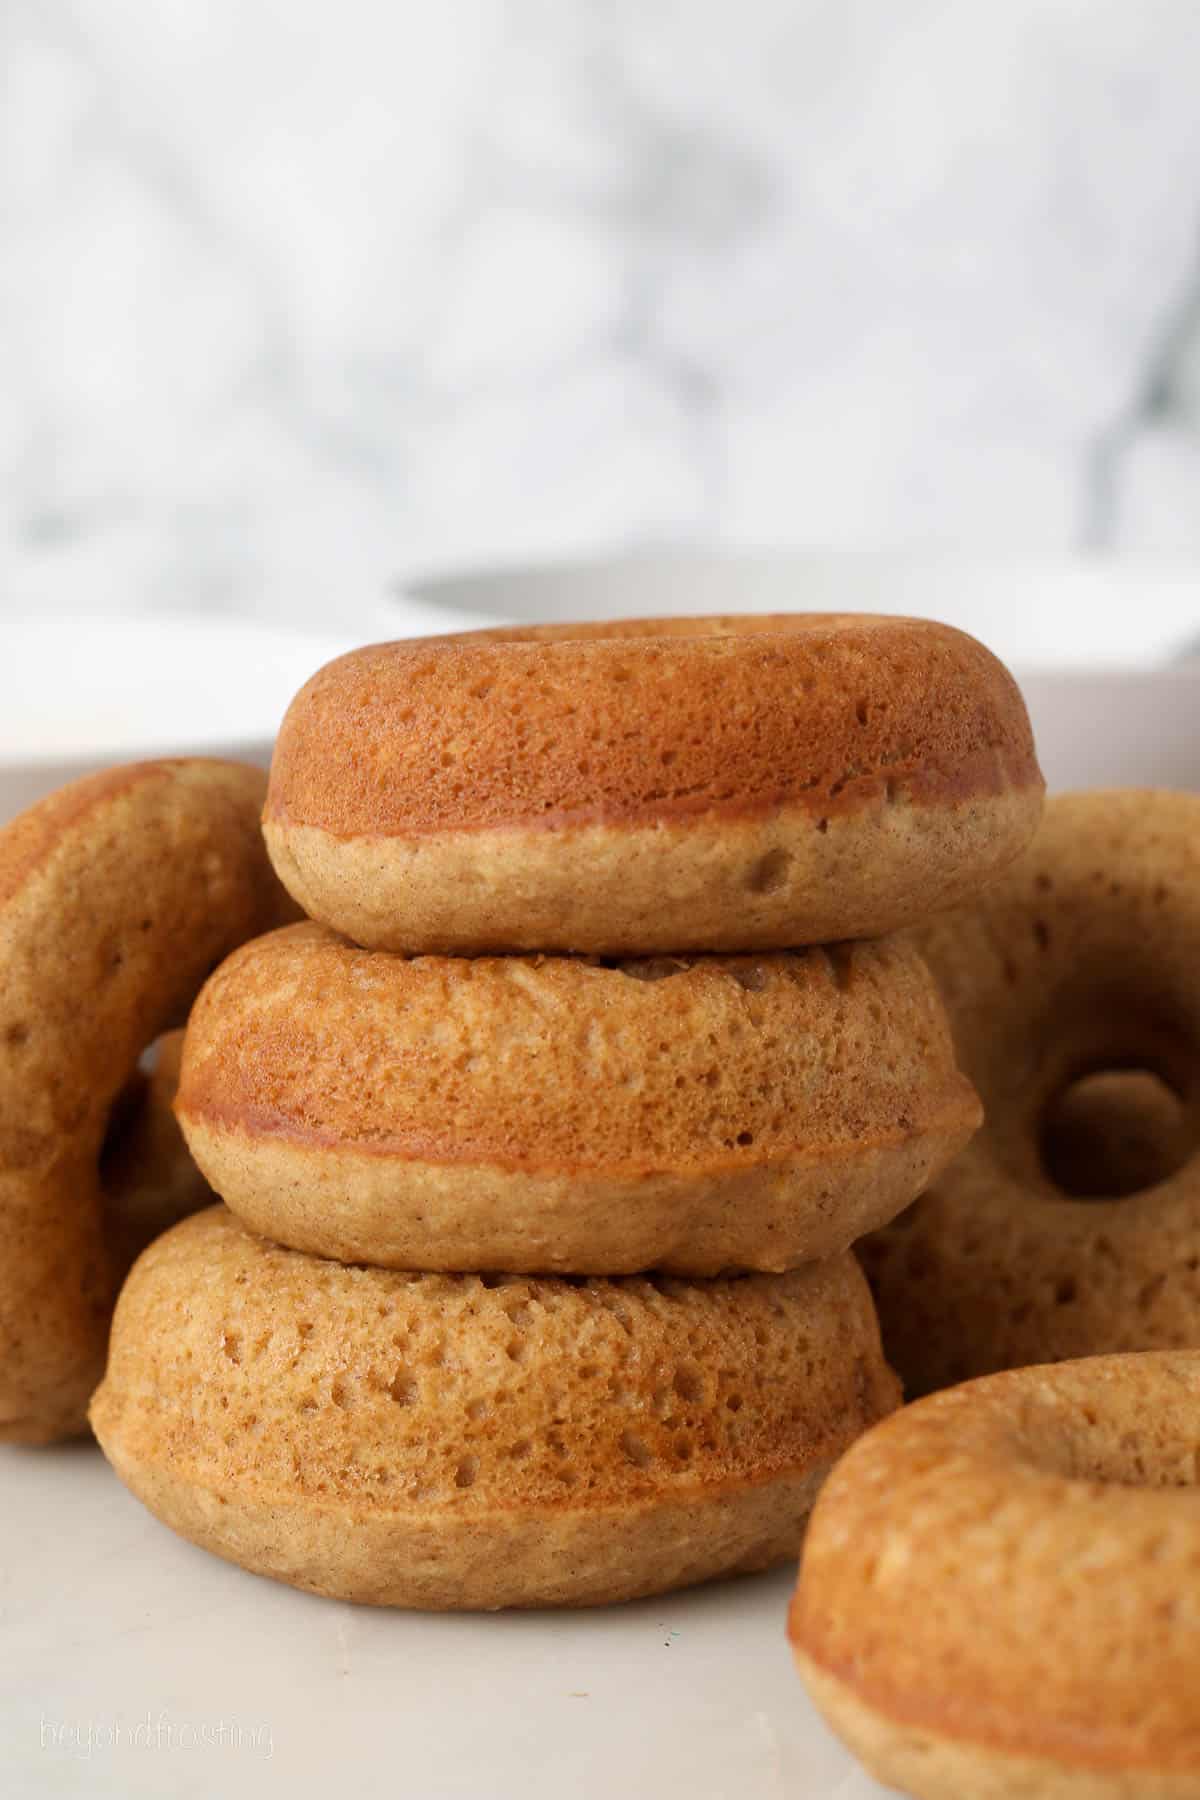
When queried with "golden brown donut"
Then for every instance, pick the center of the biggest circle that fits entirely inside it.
(651, 785)
(148, 1179)
(1083, 958)
(461, 1441)
(118, 894)
(547, 1113)
(999, 1597)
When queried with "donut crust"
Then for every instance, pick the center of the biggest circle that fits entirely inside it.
(548, 1114)
(452, 1442)
(997, 1596)
(651, 785)
(1084, 957)
(118, 894)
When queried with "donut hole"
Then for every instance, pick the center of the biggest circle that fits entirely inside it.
(1113, 1132)
(127, 1111)
(134, 1097)
(650, 968)
(148, 1180)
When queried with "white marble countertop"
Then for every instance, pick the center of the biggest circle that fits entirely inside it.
(295, 299)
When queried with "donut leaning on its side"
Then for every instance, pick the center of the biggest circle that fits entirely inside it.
(653, 785)
(542, 1114)
(118, 894)
(444, 1442)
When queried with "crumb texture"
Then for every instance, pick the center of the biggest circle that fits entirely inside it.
(259, 1369)
(477, 1442)
(564, 1063)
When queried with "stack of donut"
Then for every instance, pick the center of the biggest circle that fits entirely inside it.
(544, 1140)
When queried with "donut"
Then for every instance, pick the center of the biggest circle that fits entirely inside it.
(651, 785)
(147, 1177)
(998, 1592)
(558, 1115)
(1081, 962)
(466, 1441)
(118, 895)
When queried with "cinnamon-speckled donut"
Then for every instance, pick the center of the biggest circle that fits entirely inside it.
(999, 1597)
(449, 1441)
(552, 1114)
(1083, 958)
(118, 894)
(653, 785)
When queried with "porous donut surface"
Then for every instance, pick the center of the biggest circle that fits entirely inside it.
(552, 1114)
(1084, 957)
(463, 1441)
(1000, 1588)
(631, 787)
(118, 895)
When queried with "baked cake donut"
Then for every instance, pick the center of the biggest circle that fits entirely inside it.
(461, 1441)
(147, 1177)
(555, 1114)
(999, 1597)
(1082, 962)
(651, 785)
(118, 894)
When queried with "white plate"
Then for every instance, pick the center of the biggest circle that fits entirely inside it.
(132, 1664)
(1046, 613)
(78, 693)
(1084, 635)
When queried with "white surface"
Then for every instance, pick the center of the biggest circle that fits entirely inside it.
(1043, 612)
(108, 1619)
(119, 684)
(1103, 728)
(134, 1665)
(79, 692)
(295, 296)
(119, 687)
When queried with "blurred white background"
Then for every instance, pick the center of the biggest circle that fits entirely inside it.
(297, 298)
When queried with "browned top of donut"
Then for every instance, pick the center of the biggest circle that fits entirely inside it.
(649, 719)
(1014, 1564)
(523, 1375)
(555, 1062)
(34, 835)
